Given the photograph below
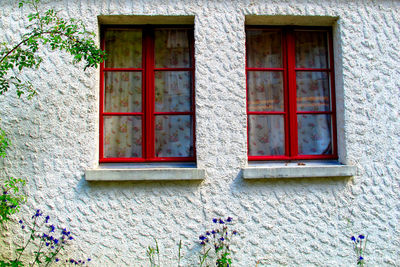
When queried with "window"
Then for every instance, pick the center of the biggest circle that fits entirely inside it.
(290, 93)
(146, 94)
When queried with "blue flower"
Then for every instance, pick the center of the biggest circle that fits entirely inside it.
(215, 220)
(47, 219)
(353, 238)
(70, 238)
(37, 214)
(202, 237)
(361, 258)
(47, 244)
(213, 232)
(207, 233)
(20, 221)
(222, 239)
(221, 221)
(56, 241)
(57, 259)
(229, 219)
(234, 232)
(52, 228)
(361, 236)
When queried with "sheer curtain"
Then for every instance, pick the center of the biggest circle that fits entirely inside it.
(123, 93)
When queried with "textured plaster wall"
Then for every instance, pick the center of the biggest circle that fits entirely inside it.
(299, 222)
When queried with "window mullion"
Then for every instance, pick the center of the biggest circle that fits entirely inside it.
(291, 63)
(148, 132)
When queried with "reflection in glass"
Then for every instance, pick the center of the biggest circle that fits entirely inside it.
(311, 49)
(266, 135)
(264, 49)
(172, 48)
(123, 48)
(122, 136)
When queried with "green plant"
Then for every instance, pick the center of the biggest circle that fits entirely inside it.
(45, 29)
(11, 198)
(220, 240)
(359, 245)
(4, 143)
(46, 240)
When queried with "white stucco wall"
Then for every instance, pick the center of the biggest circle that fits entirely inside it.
(300, 222)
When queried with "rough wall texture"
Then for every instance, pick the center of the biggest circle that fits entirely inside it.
(298, 222)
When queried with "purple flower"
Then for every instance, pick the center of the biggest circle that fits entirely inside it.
(222, 239)
(20, 221)
(52, 227)
(215, 220)
(57, 259)
(37, 214)
(70, 238)
(207, 233)
(229, 219)
(202, 237)
(361, 236)
(353, 238)
(234, 232)
(213, 232)
(202, 243)
(47, 219)
(56, 241)
(47, 244)
(23, 226)
(361, 258)
(221, 221)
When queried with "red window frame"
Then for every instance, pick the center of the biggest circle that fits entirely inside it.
(148, 94)
(290, 100)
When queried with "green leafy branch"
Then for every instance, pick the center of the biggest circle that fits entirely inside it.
(45, 29)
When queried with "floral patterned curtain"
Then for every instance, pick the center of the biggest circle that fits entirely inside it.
(123, 93)
(266, 93)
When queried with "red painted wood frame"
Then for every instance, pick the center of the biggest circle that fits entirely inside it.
(148, 113)
(290, 94)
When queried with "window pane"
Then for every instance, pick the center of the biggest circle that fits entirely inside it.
(123, 48)
(172, 91)
(265, 91)
(264, 49)
(174, 136)
(315, 136)
(172, 49)
(313, 91)
(266, 135)
(122, 136)
(311, 49)
(123, 91)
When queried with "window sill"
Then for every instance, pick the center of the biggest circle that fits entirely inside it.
(145, 172)
(304, 169)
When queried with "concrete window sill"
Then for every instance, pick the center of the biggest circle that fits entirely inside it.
(298, 170)
(145, 172)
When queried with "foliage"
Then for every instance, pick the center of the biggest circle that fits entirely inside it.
(11, 198)
(219, 240)
(45, 29)
(153, 254)
(46, 239)
(359, 245)
(4, 143)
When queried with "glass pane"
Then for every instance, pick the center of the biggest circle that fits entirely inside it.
(123, 48)
(315, 136)
(313, 91)
(123, 91)
(311, 49)
(266, 135)
(174, 136)
(172, 48)
(172, 91)
(264, 49)
(265, 91)
(122, 136)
